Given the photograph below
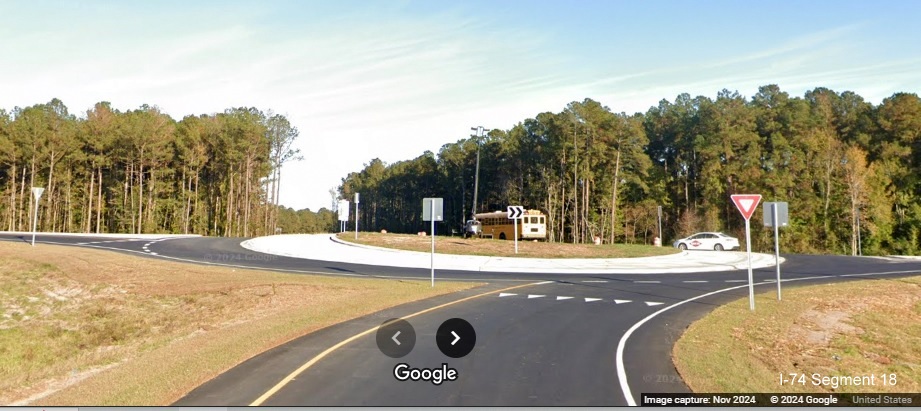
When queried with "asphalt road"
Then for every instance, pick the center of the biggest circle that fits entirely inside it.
(553, 340)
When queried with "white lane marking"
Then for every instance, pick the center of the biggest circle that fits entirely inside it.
(736, 281)
(653, 303)
(622, 301)
(621, 345)
(530, 296)
(545, 282)
(647, 282)
(506, 294)
(695, 281)
(595, 281)
(562, 298)
(588, 300)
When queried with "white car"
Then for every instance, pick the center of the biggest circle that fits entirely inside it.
(708, 241)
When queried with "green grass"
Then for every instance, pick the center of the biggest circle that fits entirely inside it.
(504, 248)
(89, 327)
(870, 327)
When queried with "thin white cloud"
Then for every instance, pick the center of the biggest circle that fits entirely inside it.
(362, 85)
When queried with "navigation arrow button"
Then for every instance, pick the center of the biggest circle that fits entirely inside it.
(455, 338)
(395, 338)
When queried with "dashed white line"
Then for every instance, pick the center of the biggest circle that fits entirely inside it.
(647, 282)
(736, 281)
(595, 281)
(695, 281)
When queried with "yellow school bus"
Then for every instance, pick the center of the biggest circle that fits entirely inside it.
(531, 226)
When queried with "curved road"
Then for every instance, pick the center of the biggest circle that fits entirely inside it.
(541, 339)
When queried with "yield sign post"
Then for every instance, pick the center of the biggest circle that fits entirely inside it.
(747, 203)
(37, 193)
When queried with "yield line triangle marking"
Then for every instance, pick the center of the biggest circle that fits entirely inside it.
(506, 294)
(622, 301)
(535, 296)
(562, 298)
(652, 303)
(588, 300)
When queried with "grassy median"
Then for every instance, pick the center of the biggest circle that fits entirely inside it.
(823, 334)
(91, 327)
(504, 248)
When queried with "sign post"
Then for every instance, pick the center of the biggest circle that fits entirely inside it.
(37, 193)
(776, 217)
(356, 216)
(343, 209)
(747, 203)
(433, 210)
(514, 214)
(659, 212)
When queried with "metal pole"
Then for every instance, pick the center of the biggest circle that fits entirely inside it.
(476, 177)
(859, 245)
(661, 239)
(34, 222)
(356, 217)
(776, 246)
(515, 224)
(432, 207)
(751, 283)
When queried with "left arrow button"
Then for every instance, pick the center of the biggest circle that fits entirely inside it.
(396, 338)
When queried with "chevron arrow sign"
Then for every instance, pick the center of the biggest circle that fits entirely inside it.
(515, 212)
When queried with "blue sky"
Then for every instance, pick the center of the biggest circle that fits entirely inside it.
(391, 79)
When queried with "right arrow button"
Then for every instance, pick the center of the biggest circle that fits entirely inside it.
(455, 338)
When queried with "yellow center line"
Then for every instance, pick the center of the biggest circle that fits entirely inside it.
(281, 384)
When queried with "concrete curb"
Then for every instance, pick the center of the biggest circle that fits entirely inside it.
(329, 248)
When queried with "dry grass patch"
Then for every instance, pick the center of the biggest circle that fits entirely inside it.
(90, 327)
(504, 248)
(853, 329)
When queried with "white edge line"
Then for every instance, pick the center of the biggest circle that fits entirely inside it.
(621, 370)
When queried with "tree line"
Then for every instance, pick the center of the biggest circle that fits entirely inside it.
(140, 171)
(850, 171)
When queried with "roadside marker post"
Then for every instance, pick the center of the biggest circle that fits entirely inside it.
(343, 208)
(37, 193)
(356, 216)
(514, 214)
(776, 217)
(433, 210)
(747, 203)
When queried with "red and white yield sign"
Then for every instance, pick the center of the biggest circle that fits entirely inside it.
(746, 203)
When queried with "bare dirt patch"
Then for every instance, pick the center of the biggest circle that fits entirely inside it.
(504, 248)
(851, 329)
(91, 327)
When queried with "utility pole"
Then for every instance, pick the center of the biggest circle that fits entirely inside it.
(480, 131)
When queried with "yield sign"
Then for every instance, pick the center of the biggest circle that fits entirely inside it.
(746, 203)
